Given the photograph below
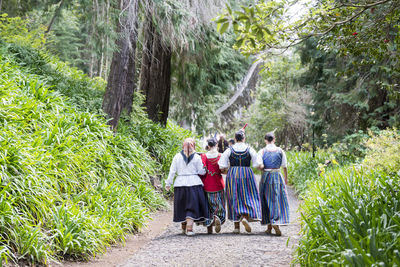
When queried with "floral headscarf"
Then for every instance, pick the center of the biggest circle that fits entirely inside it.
(188, 149)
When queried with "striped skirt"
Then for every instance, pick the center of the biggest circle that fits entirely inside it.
(274, 199)
(216, 206)
(242, 194)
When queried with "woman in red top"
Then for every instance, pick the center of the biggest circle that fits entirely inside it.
(214, 187)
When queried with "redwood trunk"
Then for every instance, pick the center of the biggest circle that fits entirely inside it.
(119, 91)
(155, 75)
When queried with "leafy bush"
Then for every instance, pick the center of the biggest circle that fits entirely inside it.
(68, 186)
(383, 151)
(162, 143)
(351, 218)
(15, 30)
(351, 215)
(303, 169)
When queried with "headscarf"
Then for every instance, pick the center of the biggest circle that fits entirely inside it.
(188, 149)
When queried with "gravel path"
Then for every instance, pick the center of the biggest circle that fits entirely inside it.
(172, 248)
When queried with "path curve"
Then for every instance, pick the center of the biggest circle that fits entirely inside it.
(172, 248)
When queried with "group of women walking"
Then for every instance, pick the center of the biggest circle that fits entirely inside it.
(200, 192)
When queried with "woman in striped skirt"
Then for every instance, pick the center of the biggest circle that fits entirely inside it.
(274, 199)
(241, 191)
(214, 187)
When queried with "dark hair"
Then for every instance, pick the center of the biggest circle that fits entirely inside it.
(211, 142)
(269, 137)
(239, 135)
(231, 141)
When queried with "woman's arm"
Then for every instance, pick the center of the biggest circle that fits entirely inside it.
(285, 174)
(171, 175)
(223, 162)
(260, 159)
(201, 169)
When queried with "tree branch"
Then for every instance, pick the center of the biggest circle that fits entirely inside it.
(56, 13)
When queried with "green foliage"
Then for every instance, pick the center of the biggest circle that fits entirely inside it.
(351, 218)
(257, 26)
(85, 93)
(15, 30)
(351, 214)
(383, 151)
(203, 78)
(162, 143)
(279, 104)
(346, 99)
(69, 186)
(82, 32)
(304, 169)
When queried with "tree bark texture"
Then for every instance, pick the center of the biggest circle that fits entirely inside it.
(120, 88)
(155, 75)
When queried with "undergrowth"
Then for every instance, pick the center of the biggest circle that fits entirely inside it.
(351, 213)
(69, 186)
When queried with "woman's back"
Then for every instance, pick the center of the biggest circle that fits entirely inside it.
(212, 180)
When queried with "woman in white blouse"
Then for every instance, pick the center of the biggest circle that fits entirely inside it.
(190, 204)
(274, 198)
(241, 191)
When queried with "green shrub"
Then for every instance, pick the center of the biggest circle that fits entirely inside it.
(68, 186)
(351, 215)
(303, 168)
(351, 218)
(162, 143)
(383, 151)
(15, 30)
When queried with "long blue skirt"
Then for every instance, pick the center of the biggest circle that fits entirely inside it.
(274, 199)
(242, 194)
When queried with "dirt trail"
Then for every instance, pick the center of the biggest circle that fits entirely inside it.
(163, 244)
(172, 248)
(120, 253)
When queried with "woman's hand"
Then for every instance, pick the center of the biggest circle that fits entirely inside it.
(167, 187)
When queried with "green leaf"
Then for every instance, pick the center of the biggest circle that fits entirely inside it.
(222, 20)
(229, 9)
(224, 27)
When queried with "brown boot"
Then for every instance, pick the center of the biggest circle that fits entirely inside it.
(217, 224)
(269, 229)
(183, 226)
(209, 230)
(277, 230)
(237, 228)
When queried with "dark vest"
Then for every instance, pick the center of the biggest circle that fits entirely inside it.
(240, 159)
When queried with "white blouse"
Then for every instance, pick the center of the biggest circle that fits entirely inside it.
(271, 147)
(238, 147)
(212, 153)
(187, 175)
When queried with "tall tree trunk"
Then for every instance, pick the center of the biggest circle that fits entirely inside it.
(119, 91)
(155, 74)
